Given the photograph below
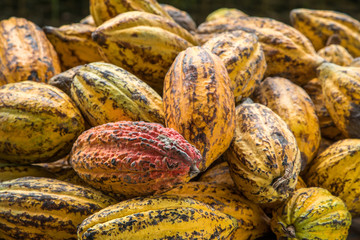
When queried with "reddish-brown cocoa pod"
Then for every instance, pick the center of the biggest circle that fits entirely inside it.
(133, 159)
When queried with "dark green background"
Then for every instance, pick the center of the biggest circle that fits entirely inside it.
(58, 12)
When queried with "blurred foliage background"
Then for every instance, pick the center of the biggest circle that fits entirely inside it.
(59, 12)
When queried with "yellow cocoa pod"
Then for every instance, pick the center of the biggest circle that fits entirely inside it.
(180, 17)
(288, 53)
(74, 44)
(244, 60)
(219, 174)
(355, 62)
(143, 43)
(336, 54)
(252, 221)
(44, 208)
(8, 172)
(337, 169)
(38, 123)
(64, 79)
(324, 144)
(88, 20)
(320, 25)
(300, 184)
(264, 158)
(225, 12)
(341, 90)
(295, 107)
(158, 217)
(25, 53)
(102, 11)
(106, 93)
(327, 125)
(312, 213)
(199, 102)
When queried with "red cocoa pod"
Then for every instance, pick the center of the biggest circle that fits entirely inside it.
(131, 159)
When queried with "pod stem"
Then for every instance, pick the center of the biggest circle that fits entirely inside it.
(281, 183)
(289, 230)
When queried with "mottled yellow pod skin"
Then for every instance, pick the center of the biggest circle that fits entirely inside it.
(300, 184)
(341, 91)
(225, 12)
(244, 60)
(180, 17)
(312, 213)
(288, 53)
(143, 43)
(64, 79)
(320, 25)
(337, 169)
(251, 218)
(25, 52)
(295, 107)
(73, 44)
(199, 102)
(355, 62)
(336, 54)
(106, 93)
(8, 172)
(327, 125)
(44, 208)
(264, 158)
(38, 123)
(219, 174)
(102, 10)
(158, 217)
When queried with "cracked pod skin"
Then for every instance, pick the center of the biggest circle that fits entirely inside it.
(337, 169)
(158, 217)
(312, 213)
(244, 60)
(320, 25)
(102, 10)
(107, 93)
(251, 218)
(264, 158)
(288, 53)
(199, 102)
(341, 88)
(73, 44)
(38, 123)
(25, 53)
(44, 208)
(133, 159)
(295, 107)
(144, 44)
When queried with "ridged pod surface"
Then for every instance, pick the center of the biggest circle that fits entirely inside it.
(327, 125)
(244, 60)
(312, 213)
(74, 44)
(38, 123)
(180, 17)
(337, 169)
(336, 54)
(225, 12)
(199, 102)
(320, 25)
(288, 53)
(8, 172)
(102, 10)
(341, 91)
(44, 208)
(158, 217)
(219, 174)
(295, 107)
(107, 93)
(64, 79)
(264, 158)
(134, 159)
(25, 52)
(143, 43)
(251, 218)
